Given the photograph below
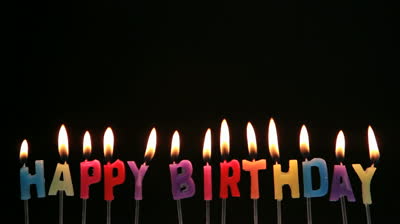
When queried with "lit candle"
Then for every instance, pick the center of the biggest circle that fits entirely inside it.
(27, 179)
(141, 172)
(366, 176)
(181, 176)
(90, 173)
(207, 174)
(60, 185)
(341, 186)
(290, 177)
(110, 181)
(253, 167)
(318, 163)
(227, 182)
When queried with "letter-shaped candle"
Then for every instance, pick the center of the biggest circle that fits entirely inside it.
(26, 179)
(88, 177)
(366, 176)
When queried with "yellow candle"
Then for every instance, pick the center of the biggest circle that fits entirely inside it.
(290, 178)
(64, 184)
(365, 177)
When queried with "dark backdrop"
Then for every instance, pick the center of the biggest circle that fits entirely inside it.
(186, 65)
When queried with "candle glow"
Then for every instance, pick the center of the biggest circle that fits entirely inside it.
(63, 142)
(224, 138)
(340, 145)
(207, 146)
(151, 145)
(304, 141)
(373, 145)
(87, 144)
(108, 142)
(273, 140)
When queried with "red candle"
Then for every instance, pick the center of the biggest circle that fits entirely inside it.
(228, 182)
(109, 179)
(207, 168)
(88, 179)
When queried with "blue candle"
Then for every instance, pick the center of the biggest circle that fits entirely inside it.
(27, 179)
(320, 164)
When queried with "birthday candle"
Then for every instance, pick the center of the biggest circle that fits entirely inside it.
(26, 179)
(290, 177)
(318, 163)
(110, 181)
(341, 185)
(366, 176)
(86, 178)
(255, 165)
(226, 181)
(64, 184)
(141, 172)
(181, 173)
(207, 169)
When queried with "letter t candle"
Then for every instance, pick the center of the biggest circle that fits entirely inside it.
(253, 167)
(366, 176)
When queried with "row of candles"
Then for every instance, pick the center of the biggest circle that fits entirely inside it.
(182, 184)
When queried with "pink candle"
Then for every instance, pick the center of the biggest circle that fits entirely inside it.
(87, 178)
(207, 169)
(139, 173)
(110, 181)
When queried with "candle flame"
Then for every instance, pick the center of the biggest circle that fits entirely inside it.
(63, 142)
(224, 138)
(207, 145)
(23, 153)
(175, 145)
(251, 139)
(373, 145)
(87, 144)
(151, 144)
(273, 140)
(340, 145)
(108, 142)
(304, 141)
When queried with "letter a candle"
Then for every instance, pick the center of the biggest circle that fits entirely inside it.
(62, 170)
(290, 178)
(182, 184)
(340, 181)
(366, 176)
(88, 178)
(253, 167)
(109, 179)
(139, 173)
(227, 181)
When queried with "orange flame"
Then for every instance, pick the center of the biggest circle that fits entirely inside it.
(340, 145)
(23, 153)
(151, 144)
(207, 145)
(175, 145)
(224, 138)
(251, 139)
(373, 145)
(87, 144)
(304, 141)
(63, 142)
(273, 140)
(108, 142)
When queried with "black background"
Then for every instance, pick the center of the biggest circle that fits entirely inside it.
(186, 65)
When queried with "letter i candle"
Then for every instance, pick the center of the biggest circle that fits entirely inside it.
(182, 184)
(290, 178)
(26, 179)
(227, 181)
(88, 178)
(109, 179)
(62, 170)
(139, 173)
(253, 167)
(207, 173)
(366, 176)
(319, 163)
(341, 186)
